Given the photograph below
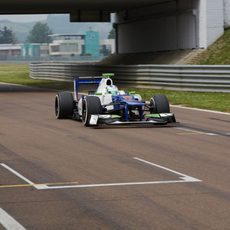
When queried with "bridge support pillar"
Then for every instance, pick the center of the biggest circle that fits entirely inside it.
(171, 25)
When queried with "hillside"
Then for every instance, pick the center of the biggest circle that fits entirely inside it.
(216, 54)
(59, 24)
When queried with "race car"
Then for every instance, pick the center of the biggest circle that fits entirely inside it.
(111, 106)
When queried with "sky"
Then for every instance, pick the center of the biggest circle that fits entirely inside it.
(24, 18)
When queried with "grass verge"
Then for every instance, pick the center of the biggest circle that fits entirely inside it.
(19, 74)
(216, 54)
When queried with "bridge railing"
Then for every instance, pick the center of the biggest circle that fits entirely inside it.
(203, 78)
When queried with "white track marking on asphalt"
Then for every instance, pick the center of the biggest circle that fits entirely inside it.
(202, 110)
(35, 185)
(30, 183)
(183, 176)
(195, 131)
(17, 174)
(8, 222)
(183, 179)
(188, 179)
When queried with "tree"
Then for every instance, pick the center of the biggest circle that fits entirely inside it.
(40, 33)
(112, 34)
(7, 36)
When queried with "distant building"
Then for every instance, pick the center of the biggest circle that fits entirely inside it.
(34, 50)
(66, 45)
(76, 45)
(12, 50)
(92, 43)
(63, 45)
(44, 50)
(30, 50)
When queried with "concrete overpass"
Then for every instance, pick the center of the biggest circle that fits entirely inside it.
(141, 26)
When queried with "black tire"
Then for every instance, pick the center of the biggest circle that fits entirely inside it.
(63, 105)
(90, 105)
(159, 104)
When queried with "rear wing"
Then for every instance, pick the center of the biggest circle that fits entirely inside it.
(84, 81)
(88, 80)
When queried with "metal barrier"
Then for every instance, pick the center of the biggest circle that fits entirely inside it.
(203, 78)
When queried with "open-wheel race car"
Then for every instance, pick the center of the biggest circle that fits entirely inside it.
(111, 106)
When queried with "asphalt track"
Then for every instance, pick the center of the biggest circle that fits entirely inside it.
(57, 174)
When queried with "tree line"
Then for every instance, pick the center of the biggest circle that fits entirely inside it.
(7, 36)
(38, 34)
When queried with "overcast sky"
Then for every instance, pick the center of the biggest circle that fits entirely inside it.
(24, 18)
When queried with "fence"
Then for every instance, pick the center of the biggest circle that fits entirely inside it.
(177, 77)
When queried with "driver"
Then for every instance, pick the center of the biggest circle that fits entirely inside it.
(112, 89)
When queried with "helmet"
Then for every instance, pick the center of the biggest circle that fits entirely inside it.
(112, 89)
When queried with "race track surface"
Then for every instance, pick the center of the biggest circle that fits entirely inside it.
(58, 174)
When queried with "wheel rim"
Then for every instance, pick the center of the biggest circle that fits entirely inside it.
(153, 105)
(84, 112)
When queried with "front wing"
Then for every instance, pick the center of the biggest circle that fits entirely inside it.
(157, 119)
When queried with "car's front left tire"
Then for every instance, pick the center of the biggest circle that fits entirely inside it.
(91, 105)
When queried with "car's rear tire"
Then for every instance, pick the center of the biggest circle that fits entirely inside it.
(90, 105)
(159, 104)
(64, 105)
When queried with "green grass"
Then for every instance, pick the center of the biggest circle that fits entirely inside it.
(19, 74)
(216, 54)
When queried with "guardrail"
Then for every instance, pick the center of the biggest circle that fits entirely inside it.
(203, 78)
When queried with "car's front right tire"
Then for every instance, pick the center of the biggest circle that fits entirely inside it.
(159, 104)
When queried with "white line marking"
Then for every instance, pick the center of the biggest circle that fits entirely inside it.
(17, 174)
(195, 131)
(183, 176)
(118, 184)
(202, 110)
(8, 222)
(37, 186)
(183, 179)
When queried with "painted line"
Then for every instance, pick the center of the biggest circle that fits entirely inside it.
(187, 134)
(8, 222)
(37, 185)
(182, 176)
(17, 174)
(47, 186)
(118, 184)
(16, 185)
(30, 183)
(196, 132)
(183, 179)
(201, 110)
